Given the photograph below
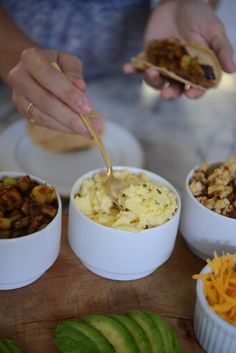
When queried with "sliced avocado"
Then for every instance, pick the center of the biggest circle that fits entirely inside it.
(68, 340)
(137, 332)
(149, 327)
(117, 334)
(101, 342)
(165, 330)
(3, 347)
(7, 345)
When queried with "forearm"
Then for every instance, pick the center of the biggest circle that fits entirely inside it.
(12, 42)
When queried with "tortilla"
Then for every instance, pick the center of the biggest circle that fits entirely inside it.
(56, 141)
(192, 64)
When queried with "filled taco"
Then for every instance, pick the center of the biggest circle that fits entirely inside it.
(188, 63)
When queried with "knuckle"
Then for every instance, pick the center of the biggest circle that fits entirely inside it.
(27, 53)
(13, 76)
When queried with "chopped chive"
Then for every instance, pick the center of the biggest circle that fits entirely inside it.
(159, 191)
(144, 185)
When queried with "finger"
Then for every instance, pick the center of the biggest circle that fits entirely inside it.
(154, 78)
(37, 116)
(129, 69)
(173, 91)
(193, 93)
(71, 66)
(55, 82)
(51, 106)
(221, 45)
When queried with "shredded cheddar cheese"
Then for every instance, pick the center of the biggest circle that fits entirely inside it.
(220, 286)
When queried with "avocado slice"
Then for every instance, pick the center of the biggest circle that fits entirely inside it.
(68, 340)
(117, 334)
(149, 327)
(165, 331)
(8, 346)
(137, 332)
(3, 348)
(93, 334)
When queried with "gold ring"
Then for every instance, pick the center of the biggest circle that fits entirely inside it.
(29, 110)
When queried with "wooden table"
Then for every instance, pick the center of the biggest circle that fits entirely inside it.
(68, 290)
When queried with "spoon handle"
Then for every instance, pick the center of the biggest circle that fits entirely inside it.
(98, 141)
(93, 132)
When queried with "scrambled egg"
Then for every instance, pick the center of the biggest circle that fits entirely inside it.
(144, 204)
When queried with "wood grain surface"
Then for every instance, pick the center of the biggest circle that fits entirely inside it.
(68, 290)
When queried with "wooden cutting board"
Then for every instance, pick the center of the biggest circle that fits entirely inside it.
(68, 290)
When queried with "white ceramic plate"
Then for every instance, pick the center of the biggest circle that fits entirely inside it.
(19, 153)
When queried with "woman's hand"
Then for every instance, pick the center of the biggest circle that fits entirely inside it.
(57, 97)
(192, 21)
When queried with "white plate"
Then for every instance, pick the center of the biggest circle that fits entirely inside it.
(19, 153)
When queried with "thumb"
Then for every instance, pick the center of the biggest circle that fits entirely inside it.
(71, 66)
(223, 49)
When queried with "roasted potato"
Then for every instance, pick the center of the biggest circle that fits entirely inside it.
(25, 206)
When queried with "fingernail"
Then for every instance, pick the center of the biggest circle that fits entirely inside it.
(85, 108)
(79, 83)
(98, 124)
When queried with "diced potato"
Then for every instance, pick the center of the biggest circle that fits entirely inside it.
(15, 216)
(21, 223)
(24, 183)
(33, 226)
(39, 194)
(11, 199)
(25, 208)
(9, 181)
(5, 223)
(35, 209)
(49, 210)
(51, 196)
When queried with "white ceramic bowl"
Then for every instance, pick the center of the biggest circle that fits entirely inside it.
(205, 231)
(214, 334)
(24, 259)
(118, 254)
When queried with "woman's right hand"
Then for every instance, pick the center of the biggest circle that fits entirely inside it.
(58, 97)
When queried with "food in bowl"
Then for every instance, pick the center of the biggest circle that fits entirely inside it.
(220, 286)
(214, 314)
(188, 63)
(215, 186)
(142, 205)
(121, 253)
(25, 256)
(26, 206)
(207, 223)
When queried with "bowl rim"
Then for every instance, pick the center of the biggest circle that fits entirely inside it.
(42, 181)
(210, 312)
(199, 204)
(136, 170)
